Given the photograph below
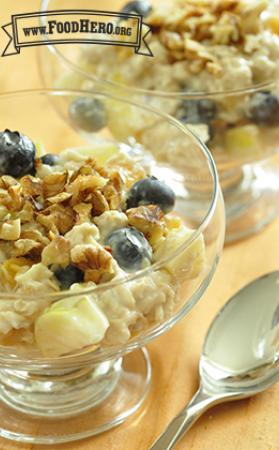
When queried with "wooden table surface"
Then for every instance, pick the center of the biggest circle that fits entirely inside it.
(245, 425)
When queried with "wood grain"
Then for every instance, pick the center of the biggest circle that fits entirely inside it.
(247, 425)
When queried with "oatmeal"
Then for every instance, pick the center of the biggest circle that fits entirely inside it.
(73, 222)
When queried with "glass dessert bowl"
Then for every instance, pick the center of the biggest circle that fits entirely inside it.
(98, 257)
(215, 68)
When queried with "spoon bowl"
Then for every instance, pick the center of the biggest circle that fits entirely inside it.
(240, 356)
(241, 349)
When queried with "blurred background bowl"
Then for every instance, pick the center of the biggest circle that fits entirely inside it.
(228, 114)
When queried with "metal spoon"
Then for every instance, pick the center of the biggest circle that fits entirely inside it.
(240, 356)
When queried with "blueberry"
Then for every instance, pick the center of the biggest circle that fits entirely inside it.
(197, 111)
(17, 154)
(151, 191)
(264, 108)
(211, 132)
(141, 7)
(207, 109)
(89, 114)
(130, 249)
(68, 276)
(50, 159)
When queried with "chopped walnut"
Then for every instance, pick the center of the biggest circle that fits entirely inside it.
(47, 222)
(5, 198)
(149, 220)
(214, 69)
(88, 168)
(113, 197)
(196, 24)
(129, 170)
(17, 199)
(196, 51)
(54, 183)
(28, 248)
(113, 190)
(10, 230)
(99, 204)
(31, 186)
(11, 194)
(227, 30)
(57, 218)
(35, 235)
(57, 252)
(7, 181)
(250, 17)
(27, 214)
(197, 66)
(172, 40)
(84, 186)
(83, 211)
(225, 5)
(60, 198)
(95, 262)
(4, 213)
(116, 180)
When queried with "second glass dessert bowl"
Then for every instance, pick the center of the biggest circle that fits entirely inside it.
(215, 68)
(93, 264)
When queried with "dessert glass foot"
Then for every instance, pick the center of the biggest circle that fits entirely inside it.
(56, 407)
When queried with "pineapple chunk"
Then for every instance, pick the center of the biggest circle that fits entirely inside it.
(271, 19)
(10, 268)
(190, 262)
(101, 152)
(70, 325)
(125, 120)
(243, 141)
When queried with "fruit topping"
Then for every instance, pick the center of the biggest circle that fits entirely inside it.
(197, 111)
(89, 114)
(189, 263)
(68, 276)
(50, 159)
(17, 154)
(70, 325)
(130, 249)
(264, 108)
(151, 191)
(243, 141)
(149, 220)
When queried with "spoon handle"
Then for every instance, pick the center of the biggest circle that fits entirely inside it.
(185, 419)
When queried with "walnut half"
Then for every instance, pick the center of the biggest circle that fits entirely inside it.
(149, 220)
(95, 262)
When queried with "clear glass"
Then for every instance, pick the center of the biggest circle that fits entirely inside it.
(53, 400)
(242, 149)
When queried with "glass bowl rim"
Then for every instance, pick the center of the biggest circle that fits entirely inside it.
(155, 93)
(186, 244)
